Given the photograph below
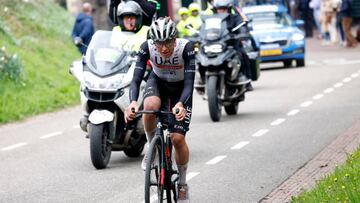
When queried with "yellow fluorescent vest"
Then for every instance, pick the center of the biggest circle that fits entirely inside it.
(129, 40)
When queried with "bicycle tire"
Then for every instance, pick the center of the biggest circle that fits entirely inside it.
(153, 189)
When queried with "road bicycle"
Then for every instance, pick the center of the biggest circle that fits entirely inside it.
(160, 174)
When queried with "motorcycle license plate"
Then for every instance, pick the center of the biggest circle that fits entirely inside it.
(270, 52)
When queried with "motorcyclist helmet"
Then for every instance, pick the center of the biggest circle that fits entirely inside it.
(223, 4)
(130, 8)
(194, 7)
(183, 11)
(163, 30)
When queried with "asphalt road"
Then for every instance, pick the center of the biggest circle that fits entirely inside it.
(291, 115)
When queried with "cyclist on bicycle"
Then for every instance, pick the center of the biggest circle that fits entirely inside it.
(170, 84)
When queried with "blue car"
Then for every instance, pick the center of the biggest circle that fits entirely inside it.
(277, 34)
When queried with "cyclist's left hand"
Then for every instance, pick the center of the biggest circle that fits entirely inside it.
(182, 111)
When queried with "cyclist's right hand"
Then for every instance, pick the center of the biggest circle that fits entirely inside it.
(130, 111)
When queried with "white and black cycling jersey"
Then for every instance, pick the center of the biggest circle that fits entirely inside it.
(168, 69)
(177, 70)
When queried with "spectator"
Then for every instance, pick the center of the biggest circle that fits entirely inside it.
(315, 5)
(83, 28)
(346, 15)
(306, 16)
(356, 15)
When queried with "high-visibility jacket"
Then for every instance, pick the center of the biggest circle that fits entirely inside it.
(129, 40)
(183, 32)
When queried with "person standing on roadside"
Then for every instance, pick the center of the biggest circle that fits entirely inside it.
(83, 28)
(346, 21)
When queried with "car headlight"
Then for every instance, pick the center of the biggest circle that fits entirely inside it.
(297, 37)
(214, 48)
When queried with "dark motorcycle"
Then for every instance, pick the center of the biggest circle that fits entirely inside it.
(218, 65)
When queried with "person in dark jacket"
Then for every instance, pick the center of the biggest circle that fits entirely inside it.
(148, 7)
(83, 28)
(346, 15)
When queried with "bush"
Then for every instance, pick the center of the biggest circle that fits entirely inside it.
(10, 66)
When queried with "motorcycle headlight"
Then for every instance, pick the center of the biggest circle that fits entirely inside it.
(297, 37)
(214, 48)
(112, 83)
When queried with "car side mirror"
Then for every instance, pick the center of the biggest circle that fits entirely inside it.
(299, 23)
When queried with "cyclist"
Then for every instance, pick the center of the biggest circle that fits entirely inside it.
(170, 82)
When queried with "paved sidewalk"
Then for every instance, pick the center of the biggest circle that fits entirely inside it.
(322, 164)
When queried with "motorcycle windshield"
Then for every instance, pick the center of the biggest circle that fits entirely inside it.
(214, 27)
(104, 57)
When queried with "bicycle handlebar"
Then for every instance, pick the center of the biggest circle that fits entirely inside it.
(156, 112)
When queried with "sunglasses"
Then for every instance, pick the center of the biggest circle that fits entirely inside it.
(168, 44)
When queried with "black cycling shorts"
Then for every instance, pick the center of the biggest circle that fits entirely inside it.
(169, 94)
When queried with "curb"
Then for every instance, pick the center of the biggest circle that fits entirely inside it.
(322, 164)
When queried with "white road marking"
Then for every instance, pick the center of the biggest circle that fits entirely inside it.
(348, 79)
(318, 96)
(14, 146)
(311, 62)
(191, 175)
(306, 104)
(355, 75)
(293, 112)
(215, 160)
(240, 145)
(277, 121)
(260, 133)
(339, 84)
(338, 61)
(50, 135)
(329, 90)
(76, 126)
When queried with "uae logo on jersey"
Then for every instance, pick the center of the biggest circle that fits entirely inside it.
(168, 63)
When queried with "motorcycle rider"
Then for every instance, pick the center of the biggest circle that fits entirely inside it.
(148, 9)
(184, 15)
(234, 19)
(194, 18)
(170, 84)
(130, 19)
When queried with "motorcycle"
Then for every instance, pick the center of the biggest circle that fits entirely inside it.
(218, 65)
(105, 74)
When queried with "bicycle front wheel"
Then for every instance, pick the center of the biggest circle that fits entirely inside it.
(154, 173)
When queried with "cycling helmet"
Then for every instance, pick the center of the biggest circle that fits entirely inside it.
(129, 8)
(223, 3)
(163, 29)
(194, 7)
(183, 11)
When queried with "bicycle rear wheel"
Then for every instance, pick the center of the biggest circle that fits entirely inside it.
(154, 174)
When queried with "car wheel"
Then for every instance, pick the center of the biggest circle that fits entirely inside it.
(300, 63)
(287, 63)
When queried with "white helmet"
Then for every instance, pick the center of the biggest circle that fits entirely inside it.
(163, 29)
(223, 3)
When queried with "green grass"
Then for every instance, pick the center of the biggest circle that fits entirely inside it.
(341, 186)
(39, 33)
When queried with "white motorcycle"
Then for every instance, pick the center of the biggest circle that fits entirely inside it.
(105, 74)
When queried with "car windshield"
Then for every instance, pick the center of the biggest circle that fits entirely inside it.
(265, 20)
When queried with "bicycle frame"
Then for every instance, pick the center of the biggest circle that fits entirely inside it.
(166, 171)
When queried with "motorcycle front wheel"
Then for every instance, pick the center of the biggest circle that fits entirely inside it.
(100, 147)
(213, 93)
